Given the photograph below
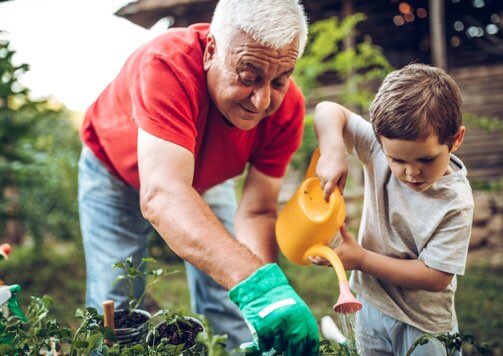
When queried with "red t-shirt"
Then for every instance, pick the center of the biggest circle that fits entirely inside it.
(162, 89)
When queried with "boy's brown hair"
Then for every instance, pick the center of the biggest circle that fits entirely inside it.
(416, 101)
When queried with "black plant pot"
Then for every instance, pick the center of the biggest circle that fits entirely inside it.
(184, 333)
(131, 327)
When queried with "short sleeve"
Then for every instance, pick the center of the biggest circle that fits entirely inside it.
(274, 157)
(162, 105)
(360, 139)
(448, 247)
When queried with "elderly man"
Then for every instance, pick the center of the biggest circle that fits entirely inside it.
(187, 112)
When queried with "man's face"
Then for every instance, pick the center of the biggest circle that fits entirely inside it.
(419, 163)
(250, 81)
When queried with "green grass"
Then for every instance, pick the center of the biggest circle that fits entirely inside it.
(318, 286)
(479, 304)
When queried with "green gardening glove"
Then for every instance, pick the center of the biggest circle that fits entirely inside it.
(278, 317)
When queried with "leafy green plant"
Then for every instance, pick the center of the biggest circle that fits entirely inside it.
(90, 335)
(356, 67)
(490, 124)
(330, 348)
(42, 333)
(360, 69)
(37, 334)
(301, 158)
(214, 345)
(37, 139)
(452, 343)
(132, 273)
(495, 185)
(59, 273)
(182, 330)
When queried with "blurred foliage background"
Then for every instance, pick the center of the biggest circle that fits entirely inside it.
(39, 150)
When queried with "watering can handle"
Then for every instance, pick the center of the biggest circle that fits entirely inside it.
(311, 170)
(330, 255)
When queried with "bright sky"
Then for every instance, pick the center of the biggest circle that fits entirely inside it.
(74, 47)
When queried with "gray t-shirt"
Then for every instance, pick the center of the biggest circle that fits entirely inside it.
(433, 226)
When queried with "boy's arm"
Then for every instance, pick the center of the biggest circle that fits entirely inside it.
(412, 274)
(330, 121)
(408, 273)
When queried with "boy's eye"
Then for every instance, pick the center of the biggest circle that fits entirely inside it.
(426, 160)
(396, 160)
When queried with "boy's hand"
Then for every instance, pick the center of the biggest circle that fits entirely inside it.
(332, 170)
(350, 253)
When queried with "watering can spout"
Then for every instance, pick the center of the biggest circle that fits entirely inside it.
(307, 224)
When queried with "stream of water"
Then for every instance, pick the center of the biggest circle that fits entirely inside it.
(347, 324)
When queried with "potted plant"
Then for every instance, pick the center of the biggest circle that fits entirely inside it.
(175, 334)
(131, 325)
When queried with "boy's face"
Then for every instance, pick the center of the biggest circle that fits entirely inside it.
(420, 163)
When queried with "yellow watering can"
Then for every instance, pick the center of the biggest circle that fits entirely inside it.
(306, 226)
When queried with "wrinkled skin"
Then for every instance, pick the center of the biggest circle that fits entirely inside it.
(250, 81)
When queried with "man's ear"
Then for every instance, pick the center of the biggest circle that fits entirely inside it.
(210, 52)
(458, 138)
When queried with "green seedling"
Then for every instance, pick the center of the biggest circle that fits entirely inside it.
(131, 273)
(452, 343)
(91, 334)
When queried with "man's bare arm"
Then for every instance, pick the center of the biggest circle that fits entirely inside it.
(256, 215)
(181, 216)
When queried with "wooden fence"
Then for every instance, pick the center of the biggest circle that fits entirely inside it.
(482, 91)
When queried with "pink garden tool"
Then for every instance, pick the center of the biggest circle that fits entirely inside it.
(306, 226)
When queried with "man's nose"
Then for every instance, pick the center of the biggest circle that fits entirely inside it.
(261, 98)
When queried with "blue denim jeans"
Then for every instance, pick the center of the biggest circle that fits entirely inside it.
(113, 229)
(378, 334)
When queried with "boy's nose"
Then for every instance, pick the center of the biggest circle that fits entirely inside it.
(411, 171)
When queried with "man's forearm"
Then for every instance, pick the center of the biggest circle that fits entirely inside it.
(256, 231)
(412, 273)
(194, 233)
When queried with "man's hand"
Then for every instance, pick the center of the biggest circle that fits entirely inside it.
(279, 318)
(332, 170)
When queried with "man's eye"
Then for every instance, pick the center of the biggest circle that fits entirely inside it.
(248, 79)
(279, 83)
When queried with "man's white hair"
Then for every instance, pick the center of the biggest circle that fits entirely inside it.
(272, 23)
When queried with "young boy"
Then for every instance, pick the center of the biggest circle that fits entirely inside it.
(418, 207)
